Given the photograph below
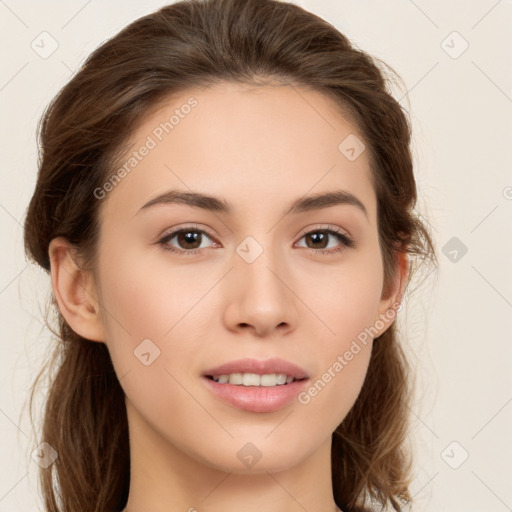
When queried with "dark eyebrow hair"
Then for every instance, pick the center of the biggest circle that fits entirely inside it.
(215, 204)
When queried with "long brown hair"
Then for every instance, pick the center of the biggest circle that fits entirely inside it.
(187, 44)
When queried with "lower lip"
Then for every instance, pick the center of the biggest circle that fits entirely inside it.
(257, 398)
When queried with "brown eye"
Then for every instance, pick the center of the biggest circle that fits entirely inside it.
(318, 241)
(188, 240)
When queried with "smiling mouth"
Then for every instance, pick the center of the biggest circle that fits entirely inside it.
(254, 379)
(255, 392)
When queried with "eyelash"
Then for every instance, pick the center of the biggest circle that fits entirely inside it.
(346, 241)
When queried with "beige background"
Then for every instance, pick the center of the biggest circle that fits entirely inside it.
(458, 325)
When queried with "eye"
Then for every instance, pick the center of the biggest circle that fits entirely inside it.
(317, 240)
(189, 238)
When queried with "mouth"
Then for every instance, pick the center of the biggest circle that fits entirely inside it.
(255, 372)
(256, 386)
(253, 397)
(254, 379)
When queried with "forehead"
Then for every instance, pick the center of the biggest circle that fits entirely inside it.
(245, 143)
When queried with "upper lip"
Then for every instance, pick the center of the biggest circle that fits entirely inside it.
(274, 365)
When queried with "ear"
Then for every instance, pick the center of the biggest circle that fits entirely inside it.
(75, 291)
(390, 303)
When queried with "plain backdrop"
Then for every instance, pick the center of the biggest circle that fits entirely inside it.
(455, 61)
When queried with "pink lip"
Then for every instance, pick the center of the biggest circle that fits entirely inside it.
(257, 398)
(274, 365)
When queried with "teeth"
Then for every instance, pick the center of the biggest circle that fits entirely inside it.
(253, 379)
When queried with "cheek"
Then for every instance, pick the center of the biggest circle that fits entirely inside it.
(142, 297)
(152, 316)
(347, 303)
(146, 321)
(346, 297)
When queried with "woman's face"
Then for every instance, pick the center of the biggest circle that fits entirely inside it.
(251, 280)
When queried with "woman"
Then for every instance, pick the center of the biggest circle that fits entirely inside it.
(225, 204)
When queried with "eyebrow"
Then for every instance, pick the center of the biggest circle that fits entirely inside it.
(215, 204)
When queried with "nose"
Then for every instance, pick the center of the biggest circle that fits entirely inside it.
(259, 296)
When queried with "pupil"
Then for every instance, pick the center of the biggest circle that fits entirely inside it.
(318, 237)
(190, 237)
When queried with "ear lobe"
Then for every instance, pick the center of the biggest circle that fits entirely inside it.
(390, 305)
(75, 292)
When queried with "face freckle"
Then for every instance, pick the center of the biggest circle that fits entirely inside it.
(260, 293)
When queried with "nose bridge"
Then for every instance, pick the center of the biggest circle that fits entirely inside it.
(260, 296)
(259, 260)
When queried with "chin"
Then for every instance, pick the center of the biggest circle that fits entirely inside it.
(246, 457)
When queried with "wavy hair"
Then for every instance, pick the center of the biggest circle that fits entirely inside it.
(81, 133)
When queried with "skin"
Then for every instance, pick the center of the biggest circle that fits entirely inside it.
(259, 147)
